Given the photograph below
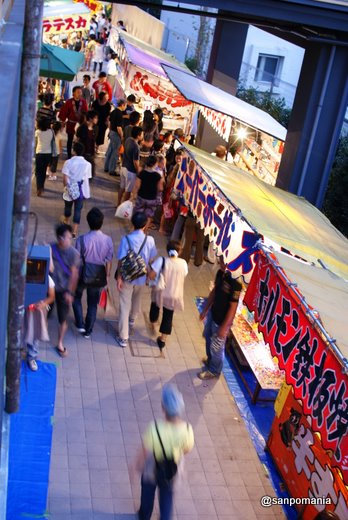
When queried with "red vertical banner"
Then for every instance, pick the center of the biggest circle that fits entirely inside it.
(311, 368)
(304, 464)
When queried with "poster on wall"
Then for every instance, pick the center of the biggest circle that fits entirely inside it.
(304, 464)
(310, 367)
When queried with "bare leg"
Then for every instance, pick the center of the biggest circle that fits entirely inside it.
(62, 328)
(120, 196)
(74, 229)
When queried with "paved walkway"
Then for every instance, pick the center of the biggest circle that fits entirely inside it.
(107, 395)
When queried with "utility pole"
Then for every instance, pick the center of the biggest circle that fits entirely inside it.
(25, 148)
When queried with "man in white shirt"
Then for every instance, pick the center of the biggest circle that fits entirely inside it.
(130, 293)
(77, 172)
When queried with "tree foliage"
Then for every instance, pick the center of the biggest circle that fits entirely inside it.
(336, 200)
(276, 107)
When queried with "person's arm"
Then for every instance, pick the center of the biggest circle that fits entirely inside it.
(108, 268)
(120, 132)
(119, 281)
(160, 185)
(65, 180)
(51, 294)
(207, 305)
(136, 188)
(74, 276)
(227, 323)
(136, 164)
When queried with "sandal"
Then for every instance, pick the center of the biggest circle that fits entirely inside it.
(161, 344)
(61, 353)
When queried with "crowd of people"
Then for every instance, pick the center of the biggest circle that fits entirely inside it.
(141, 155)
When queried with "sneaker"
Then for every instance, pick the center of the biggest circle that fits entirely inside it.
(32, 365)
(87, 335)
(82, 330)
(121, 342)
(206, 374)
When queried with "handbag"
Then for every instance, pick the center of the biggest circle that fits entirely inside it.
(132, 266)
(74, 190)
(91, 275)
(167, 468)
(159, 282)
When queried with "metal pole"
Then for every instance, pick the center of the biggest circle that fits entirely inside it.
(25, 148)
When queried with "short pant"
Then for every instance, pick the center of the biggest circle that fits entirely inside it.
(62, 307)
(131, 178)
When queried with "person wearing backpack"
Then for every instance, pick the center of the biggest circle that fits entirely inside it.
(135, 253)
(165, 442)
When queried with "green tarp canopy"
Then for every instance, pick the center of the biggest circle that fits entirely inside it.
(59, 63)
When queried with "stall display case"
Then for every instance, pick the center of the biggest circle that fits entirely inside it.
(261, 157)
(251, 351)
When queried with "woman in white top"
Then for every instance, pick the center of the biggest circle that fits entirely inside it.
(77, 172)
(98, 55)
(171, 298)
(44, 137)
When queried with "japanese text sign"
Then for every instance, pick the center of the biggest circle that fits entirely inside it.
(310, 366)
(64, 24)
(305, 465)
(220, 122)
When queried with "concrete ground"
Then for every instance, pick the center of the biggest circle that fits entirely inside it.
(107, 395)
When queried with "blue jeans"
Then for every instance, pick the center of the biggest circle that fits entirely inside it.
(148, 490)
(111, 156)
(32, 350)
(214, 346)
(93, 295)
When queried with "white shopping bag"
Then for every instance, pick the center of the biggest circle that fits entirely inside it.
(125, 210)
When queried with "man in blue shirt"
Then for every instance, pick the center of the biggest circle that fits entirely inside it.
(130, 293)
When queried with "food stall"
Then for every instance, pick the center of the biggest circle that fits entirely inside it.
(140, 73)
(246, 219)
(261, 136)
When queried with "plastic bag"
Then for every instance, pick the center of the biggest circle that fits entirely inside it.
(125, 210)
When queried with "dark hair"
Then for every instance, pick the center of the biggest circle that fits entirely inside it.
(136, 131)
(148, 121)
(158, 145)
(139, 220)
(121, 102)
(43, 124)
(120, 22)
(179, 152)
(91, 115)
(134, 117)
(57, 125)
(78, 148)
(102, 74)
(101, 41)
(87, 76)
(61, 229)
(179, 132)
(101, 95)
(92, 36)
(95, 218)
(151, 161)
(47, 99)
(159, 113)
(75, 88)
(174, 244)
(131, 98)
(167, 134)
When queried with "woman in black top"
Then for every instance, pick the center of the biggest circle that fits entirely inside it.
(103, 108)
(86, 134)
(148, 185)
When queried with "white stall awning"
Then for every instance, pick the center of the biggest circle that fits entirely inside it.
(202, 93)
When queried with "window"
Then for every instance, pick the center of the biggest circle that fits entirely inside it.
(268, 69)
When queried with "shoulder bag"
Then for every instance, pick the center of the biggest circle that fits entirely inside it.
(167, 468)
(91, 275)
